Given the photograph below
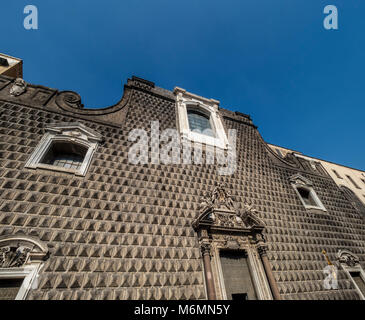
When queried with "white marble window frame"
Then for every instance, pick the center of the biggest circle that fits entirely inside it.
(319, 205)
(28, 273)
(220, 139)
(48, 139)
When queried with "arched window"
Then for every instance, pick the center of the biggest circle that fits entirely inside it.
(200, 122)
(354, 200)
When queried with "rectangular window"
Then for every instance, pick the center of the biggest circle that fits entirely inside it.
(353, 182)
(307, 197)
(359, 281)
(336, 173)
(237, 276)
(9, 288)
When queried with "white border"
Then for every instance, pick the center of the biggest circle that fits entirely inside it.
(207, 106)
(298, 181)
(42, 148)
(356, 268)
(28, 272)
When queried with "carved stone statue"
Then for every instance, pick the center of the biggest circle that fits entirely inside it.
(347, 257)
(249, 216)
(18, 88)
(219, 198)
(13, 256)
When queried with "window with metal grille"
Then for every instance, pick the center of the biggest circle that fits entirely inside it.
(200, 122)
(65, 154)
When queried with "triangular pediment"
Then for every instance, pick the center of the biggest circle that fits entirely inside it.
(298, 179)
(75, 129)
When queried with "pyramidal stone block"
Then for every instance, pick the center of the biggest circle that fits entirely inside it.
(125, 231)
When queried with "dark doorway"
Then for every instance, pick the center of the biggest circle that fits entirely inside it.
(359, 281)
(239, 296)
(9, 288)
(237, 276)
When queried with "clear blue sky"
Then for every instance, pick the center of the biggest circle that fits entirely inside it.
(303, 85)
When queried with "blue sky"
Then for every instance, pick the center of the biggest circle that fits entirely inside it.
(302, 85)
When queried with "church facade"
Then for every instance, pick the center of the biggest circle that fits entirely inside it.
(80, 220)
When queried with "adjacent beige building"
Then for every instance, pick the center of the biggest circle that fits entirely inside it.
(344, 176)
(10, 66)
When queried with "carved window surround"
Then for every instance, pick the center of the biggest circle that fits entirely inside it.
(298, 181)
(221, 227)
(350, 263)
(73, 132)
(209, 107)
(22, 258)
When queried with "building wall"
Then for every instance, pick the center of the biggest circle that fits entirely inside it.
(14, 69)
(124, 231)
(344, 172)
(342, 179)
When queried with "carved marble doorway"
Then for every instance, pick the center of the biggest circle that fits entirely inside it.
(233, 250)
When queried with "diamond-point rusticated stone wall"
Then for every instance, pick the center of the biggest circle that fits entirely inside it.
(124, 231)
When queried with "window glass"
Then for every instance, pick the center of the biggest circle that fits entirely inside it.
(66, 155)
(307, 197)
(200, 122)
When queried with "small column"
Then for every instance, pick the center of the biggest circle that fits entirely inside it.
(270, 276)
(205, 247)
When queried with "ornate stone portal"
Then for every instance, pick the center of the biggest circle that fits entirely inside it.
(220, 226)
